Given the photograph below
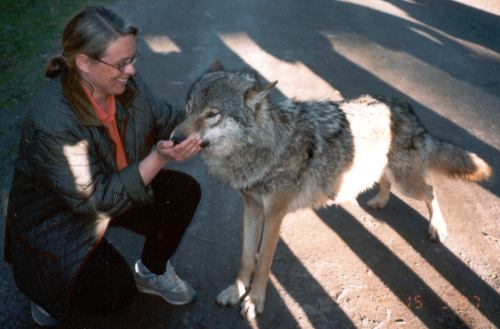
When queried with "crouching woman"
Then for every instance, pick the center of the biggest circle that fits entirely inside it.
(91, 156)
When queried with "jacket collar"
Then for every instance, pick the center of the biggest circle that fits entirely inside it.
(75, 95)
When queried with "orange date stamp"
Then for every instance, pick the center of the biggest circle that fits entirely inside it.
(417, 302)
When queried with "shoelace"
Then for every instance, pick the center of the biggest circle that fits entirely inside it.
(170, 280)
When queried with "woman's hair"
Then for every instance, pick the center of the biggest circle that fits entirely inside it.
(89, 32)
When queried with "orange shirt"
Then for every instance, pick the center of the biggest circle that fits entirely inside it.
(108, 119)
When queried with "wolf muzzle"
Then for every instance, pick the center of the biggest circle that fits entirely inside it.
(177, 139)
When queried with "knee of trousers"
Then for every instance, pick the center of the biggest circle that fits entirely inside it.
(177, 186)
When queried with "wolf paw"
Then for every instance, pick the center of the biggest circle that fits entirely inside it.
(438, 233)
(377, 203)
(231, 295)
(251, 307)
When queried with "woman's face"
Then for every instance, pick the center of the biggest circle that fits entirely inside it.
(106, 78)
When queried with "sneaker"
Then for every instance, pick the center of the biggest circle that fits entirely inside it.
(42, 317)
(167, 285)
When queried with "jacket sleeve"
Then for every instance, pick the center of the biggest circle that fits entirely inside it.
(65, 162)
(166, 116)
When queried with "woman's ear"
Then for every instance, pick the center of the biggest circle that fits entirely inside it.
(82, 62)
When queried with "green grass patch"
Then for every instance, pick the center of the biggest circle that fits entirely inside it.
(30, 34)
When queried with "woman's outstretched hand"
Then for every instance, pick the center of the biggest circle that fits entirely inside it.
(180, 152)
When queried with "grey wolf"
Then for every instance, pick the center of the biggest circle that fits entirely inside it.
(290, 155)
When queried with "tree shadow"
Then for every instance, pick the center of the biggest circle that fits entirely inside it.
(396, 275)
(412, 228)
(291, 41)
(322, 311)
(480, 26)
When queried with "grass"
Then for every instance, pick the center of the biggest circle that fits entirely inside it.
(30, 34)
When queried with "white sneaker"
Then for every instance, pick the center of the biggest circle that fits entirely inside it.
(167, 285)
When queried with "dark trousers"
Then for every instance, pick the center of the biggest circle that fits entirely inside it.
(106, 282)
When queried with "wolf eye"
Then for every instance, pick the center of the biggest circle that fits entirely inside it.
(213, 113)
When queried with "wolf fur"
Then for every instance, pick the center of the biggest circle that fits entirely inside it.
(286, 156)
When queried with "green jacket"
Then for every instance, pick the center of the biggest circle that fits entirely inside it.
(66, 186)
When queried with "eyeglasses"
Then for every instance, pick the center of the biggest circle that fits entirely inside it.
(120, 66)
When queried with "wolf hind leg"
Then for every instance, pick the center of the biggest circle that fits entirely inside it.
(384, 190)
(415, 186)
(252, 226)
(437, 225)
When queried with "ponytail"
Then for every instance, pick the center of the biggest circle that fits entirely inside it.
(55, 66)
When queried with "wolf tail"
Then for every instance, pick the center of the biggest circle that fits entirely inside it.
(455, 162)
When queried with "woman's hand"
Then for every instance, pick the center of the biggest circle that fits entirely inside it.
(182, 151)
(166, 151)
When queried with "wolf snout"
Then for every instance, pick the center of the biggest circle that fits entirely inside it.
(177, 139)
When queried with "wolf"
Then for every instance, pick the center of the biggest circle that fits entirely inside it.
(294, 154)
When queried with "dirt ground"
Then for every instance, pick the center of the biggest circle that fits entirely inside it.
(345, 266)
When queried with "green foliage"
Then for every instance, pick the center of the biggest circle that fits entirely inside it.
(29, 35)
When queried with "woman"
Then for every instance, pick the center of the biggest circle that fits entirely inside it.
(91, 155)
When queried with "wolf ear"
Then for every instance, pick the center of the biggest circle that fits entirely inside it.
(216, 66)
(256, 94)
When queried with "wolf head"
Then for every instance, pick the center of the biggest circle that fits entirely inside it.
(222, 105)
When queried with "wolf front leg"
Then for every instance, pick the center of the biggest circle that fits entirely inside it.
(252, 226)
(275, 208)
